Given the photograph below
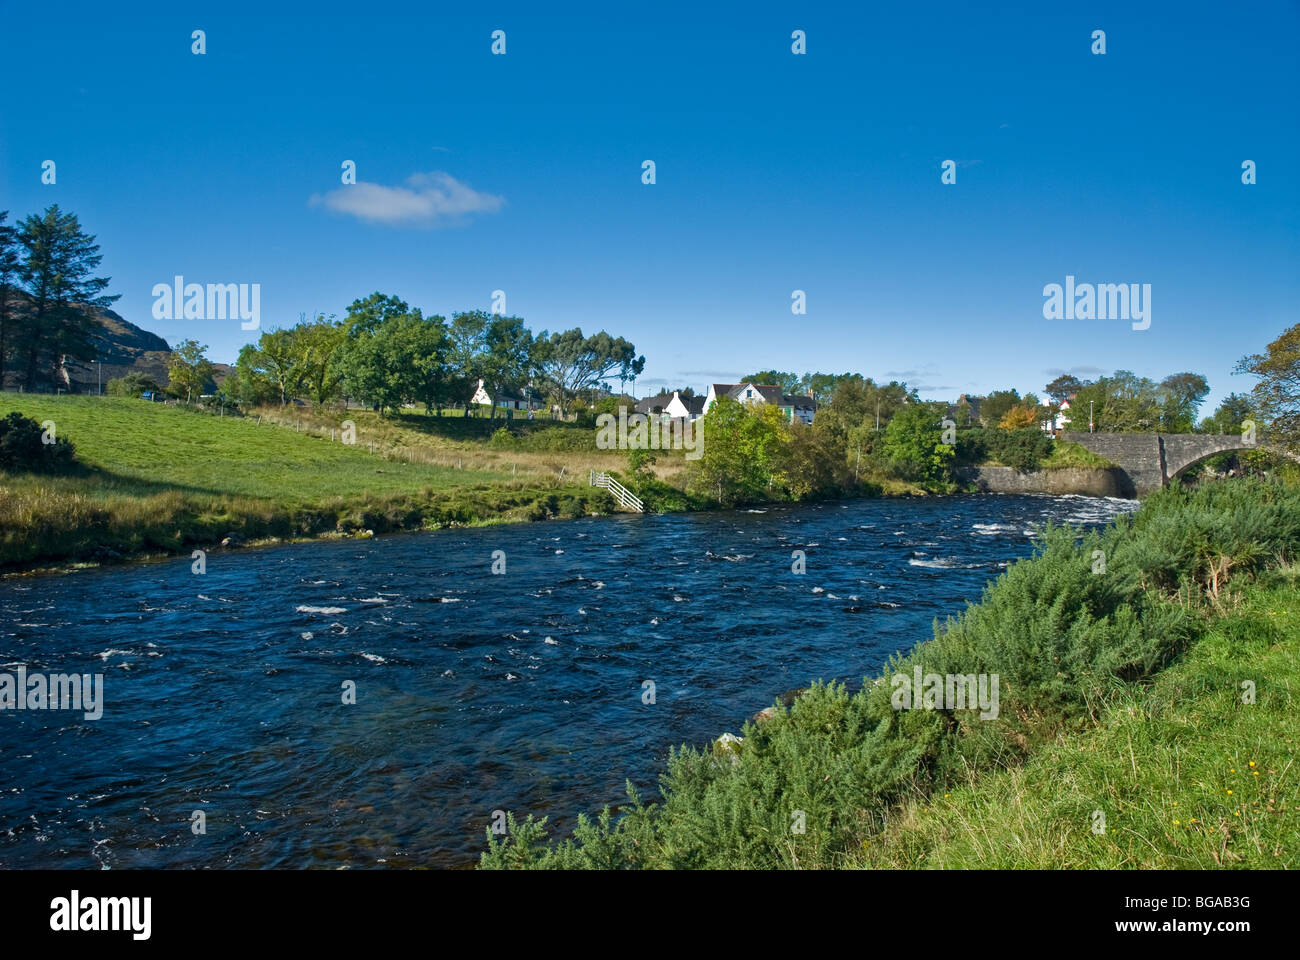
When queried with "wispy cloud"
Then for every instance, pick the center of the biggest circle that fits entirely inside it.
(425, 200)
(1082, 372)
(713, 376)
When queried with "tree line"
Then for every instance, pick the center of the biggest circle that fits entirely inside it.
(865, 434)
(1122, 402)
(386, 354)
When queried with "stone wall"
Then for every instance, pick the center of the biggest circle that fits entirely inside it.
(1139, 455)
(1085, 481)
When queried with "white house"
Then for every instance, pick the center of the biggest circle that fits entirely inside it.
(1060, 421)
(803, 408)
(505, 399)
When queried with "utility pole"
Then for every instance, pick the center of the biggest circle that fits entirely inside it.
(1090, 424)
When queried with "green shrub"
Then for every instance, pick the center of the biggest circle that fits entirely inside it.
(503, 438)
(23, 447)
(558, 439)
(131, 385)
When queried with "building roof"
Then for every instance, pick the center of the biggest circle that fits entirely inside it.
(659, 403)
(651, 404)
(769, 393)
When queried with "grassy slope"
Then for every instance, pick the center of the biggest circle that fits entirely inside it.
(452, 440)
(165, 478)
(152, 443)
(1065, 455)
(1188, 776)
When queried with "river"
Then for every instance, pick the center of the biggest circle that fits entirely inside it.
(474, 691)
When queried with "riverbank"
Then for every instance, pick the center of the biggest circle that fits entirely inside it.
(1186, 773)
(1123, 664)
(162, 480)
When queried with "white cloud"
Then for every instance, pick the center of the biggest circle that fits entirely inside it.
(426, 200)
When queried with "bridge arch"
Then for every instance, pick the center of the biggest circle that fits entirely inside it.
(1150, 461)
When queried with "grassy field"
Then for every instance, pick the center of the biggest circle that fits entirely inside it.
(1186, 775)
(539, 449)
(166, 478)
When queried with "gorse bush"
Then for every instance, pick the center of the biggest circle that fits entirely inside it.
(1066, 631)
(23, 447)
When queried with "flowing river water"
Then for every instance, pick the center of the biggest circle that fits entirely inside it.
(223, 692)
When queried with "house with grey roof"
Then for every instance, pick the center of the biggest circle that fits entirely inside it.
(793, 406)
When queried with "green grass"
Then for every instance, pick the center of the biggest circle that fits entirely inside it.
(167, 478)
(155, 444)
(1186, 774)
(1065, 455)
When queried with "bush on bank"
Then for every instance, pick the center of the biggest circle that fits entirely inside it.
(26, 447)
(1083, 621)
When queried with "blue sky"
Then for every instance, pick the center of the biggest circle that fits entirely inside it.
(775, 172)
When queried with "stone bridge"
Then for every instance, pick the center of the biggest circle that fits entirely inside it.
(1151, 460)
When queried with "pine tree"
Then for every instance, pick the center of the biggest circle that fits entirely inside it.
(9, 264)
(58, 272)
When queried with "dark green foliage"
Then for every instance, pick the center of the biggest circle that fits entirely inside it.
(22, 447)
(1064, 631)
(913, 444)
(56, 270)
(555, 439)
(132, 385)
(1021, 449)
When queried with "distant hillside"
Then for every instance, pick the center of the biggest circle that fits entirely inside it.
(123, 348)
